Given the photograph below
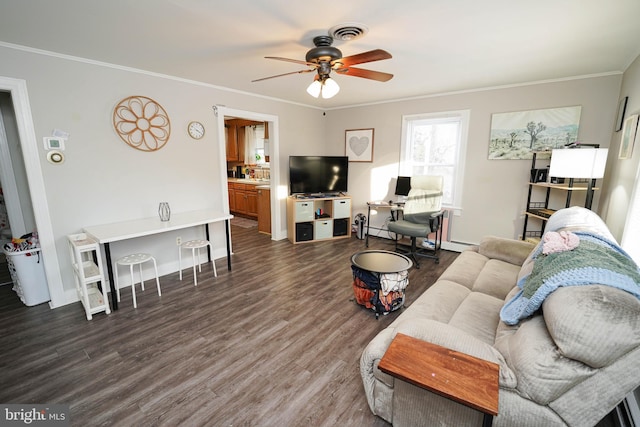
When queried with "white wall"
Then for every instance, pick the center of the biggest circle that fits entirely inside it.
(103, 180)
(621, 175)
(495, 191)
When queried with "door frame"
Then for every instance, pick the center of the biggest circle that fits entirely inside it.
(9, 184)
(277, 233)
(29, 145)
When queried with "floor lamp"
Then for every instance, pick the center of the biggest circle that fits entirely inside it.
(579, 163)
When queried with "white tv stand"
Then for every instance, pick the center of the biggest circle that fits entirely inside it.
(311, 218)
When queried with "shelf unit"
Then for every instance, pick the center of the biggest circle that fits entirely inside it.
(540, 210)
(86, 260)
(311, 219)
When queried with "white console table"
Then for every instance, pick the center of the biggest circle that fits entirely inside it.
(109, 233)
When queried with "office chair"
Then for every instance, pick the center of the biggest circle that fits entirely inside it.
(422, 216)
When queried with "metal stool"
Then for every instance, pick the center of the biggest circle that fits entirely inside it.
(195, 245)
(131, 260)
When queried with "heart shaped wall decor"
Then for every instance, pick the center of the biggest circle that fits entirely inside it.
(358, 144)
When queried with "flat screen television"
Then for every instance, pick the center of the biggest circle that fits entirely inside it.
(318, 174)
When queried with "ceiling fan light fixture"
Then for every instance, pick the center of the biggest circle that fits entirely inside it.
(315, 88)
(330, 88)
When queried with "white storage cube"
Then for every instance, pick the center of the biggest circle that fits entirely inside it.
(342, 208)
(303, 211)
(323, 229)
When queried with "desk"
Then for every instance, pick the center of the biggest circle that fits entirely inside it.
(394, 207)
(109, 233)
(456, 376)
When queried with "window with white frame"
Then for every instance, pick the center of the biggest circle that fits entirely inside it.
(260, 152)
(255, 146)
(435, 144)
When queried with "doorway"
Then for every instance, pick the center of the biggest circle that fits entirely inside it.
(275, 200)
(26, 141)
(14, 189)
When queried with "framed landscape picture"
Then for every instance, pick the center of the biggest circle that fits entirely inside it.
(517, 135)
(629, 134)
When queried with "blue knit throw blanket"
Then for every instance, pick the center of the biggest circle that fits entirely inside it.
(595, 260)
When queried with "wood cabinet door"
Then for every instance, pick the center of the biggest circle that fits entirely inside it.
(252, 202)
(232, 142)
(240, 143)
(241, 201)
(264, 211)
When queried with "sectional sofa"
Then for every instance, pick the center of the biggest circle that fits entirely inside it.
(568, 350)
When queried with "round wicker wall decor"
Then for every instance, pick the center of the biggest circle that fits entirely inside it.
(142, 123)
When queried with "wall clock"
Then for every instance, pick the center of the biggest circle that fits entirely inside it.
(196, 130)
(142, 123)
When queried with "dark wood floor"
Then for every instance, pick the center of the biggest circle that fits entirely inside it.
(274, 342)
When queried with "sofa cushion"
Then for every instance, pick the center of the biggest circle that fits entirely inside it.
(496, 278)
(543, 374)
(439, 302)
(465, 269)
(593, 324)
(478, 316)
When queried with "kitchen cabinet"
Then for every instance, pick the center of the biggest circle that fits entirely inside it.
(264, 210)
(252, 201)
(243, 199)
(234, 141)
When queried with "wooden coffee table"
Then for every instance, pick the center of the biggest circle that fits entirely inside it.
(454, 375)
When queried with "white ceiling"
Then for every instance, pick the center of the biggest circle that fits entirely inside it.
(438, 46)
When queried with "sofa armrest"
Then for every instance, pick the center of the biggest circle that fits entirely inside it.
(507, 250)
(447, 336)
(455, 339)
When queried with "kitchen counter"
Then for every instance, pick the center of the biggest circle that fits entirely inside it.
(250, 181)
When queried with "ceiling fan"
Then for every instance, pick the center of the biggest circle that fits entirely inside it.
(324, 58)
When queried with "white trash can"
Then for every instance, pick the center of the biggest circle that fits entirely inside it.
(27, 273)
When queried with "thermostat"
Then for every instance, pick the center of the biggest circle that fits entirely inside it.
(55, 157)
(53, 143)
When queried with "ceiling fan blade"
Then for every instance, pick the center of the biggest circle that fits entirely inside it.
(295, 61)
(367, 74)
(280, 75)
(361, 58)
